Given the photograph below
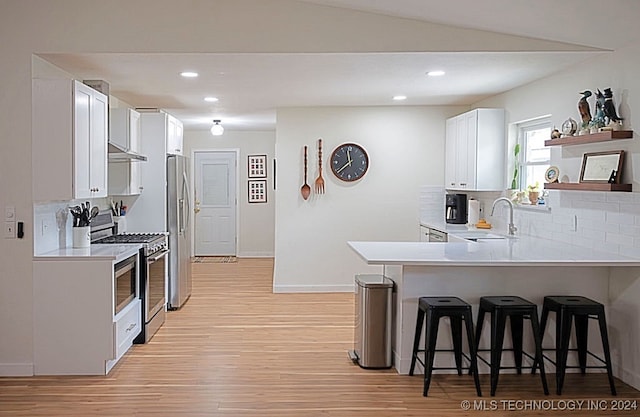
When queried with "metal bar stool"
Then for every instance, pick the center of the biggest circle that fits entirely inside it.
(517, 309)
(570, 308)
(457, 310)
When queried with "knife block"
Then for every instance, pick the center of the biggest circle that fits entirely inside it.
(81, 237)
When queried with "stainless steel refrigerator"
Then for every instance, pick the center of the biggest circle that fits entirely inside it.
(179, 224)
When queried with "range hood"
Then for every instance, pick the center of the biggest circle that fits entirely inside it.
(118, 154)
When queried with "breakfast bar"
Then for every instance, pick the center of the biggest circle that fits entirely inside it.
(524, 266)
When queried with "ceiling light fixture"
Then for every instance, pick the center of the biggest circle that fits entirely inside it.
(189, 74)
(217, 129)
(211, 99)
(399, 98)
(437, 73)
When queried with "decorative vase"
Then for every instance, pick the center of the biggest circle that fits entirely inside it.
(81, 237)
(533, 197)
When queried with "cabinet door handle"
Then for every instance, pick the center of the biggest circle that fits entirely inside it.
(131, 327)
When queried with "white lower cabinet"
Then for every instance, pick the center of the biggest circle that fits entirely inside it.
(127, 325)
(75, 329)
(428, 234)
(424, 234)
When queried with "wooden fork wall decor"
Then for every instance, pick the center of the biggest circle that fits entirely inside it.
(319, 184)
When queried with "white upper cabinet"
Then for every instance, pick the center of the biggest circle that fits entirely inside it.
(474, 151)
(125, 129)
(125, 174)
(69, 153)
(175, 136)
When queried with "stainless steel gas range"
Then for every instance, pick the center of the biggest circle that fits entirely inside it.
(154, 262)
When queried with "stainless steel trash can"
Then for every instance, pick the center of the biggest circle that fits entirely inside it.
(373, 315)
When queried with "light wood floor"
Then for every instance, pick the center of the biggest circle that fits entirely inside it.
(236, 349)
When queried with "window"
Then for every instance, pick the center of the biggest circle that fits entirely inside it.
(534, 158)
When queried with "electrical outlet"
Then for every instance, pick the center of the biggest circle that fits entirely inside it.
(9, 230)
(10, 214)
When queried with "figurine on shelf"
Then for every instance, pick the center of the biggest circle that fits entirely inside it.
(583, 108)
(555, 134)
(598, 121)
(609, 108)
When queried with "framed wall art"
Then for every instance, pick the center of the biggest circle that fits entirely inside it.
(257, 166)
(257, 191)
(602, 167)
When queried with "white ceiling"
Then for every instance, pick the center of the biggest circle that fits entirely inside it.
(292, 80)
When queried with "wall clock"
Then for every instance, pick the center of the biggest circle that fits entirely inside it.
(349, 162)
(569, 127)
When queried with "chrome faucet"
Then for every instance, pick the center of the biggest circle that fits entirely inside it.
(512, 227)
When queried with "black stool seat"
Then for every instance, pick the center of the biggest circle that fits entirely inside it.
(457, 310)
(569, 308)
(517, 309)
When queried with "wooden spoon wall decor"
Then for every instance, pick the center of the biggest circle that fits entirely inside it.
(306, 189)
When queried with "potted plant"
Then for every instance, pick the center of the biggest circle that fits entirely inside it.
(534, 193)
(514, 181)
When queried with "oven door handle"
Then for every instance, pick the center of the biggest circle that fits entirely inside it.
(157, 256)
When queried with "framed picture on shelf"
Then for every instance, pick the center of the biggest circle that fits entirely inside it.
(257, 191)
(602, 167)
(257, 166)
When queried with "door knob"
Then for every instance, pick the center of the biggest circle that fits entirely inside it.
(197, 209)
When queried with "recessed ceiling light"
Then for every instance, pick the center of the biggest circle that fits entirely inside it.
(189, 74)
(211, 99)
(435, 73)
(399, 98)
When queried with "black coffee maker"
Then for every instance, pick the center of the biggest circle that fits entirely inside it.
(455, 209)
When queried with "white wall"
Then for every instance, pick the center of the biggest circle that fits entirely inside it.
(257, 220)
(607, 221)
(97, 26)
(148, 26)
(406, 150)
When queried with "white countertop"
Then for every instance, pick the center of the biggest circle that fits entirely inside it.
(522, 251)
(94, 252)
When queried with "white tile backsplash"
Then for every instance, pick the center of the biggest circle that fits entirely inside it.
(630, 207)
(51, 228)
(619, 218)
(619, 239)
(608, 221)
(431, 204)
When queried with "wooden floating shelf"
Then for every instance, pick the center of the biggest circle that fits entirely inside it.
(605, 136)
(587, 186)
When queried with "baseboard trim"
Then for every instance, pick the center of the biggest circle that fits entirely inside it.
(16, 369)
(312, 288)
(629, 377)
(255, 255)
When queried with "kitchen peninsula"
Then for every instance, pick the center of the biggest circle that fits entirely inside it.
(524, 266)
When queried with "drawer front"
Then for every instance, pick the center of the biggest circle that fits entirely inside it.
(437, 236)
(128, 326)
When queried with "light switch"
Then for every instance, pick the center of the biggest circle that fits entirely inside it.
(9, 230)
(10, 214)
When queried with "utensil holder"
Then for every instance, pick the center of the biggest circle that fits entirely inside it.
(81, 237)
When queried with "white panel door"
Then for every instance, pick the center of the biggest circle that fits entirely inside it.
(215, 203)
